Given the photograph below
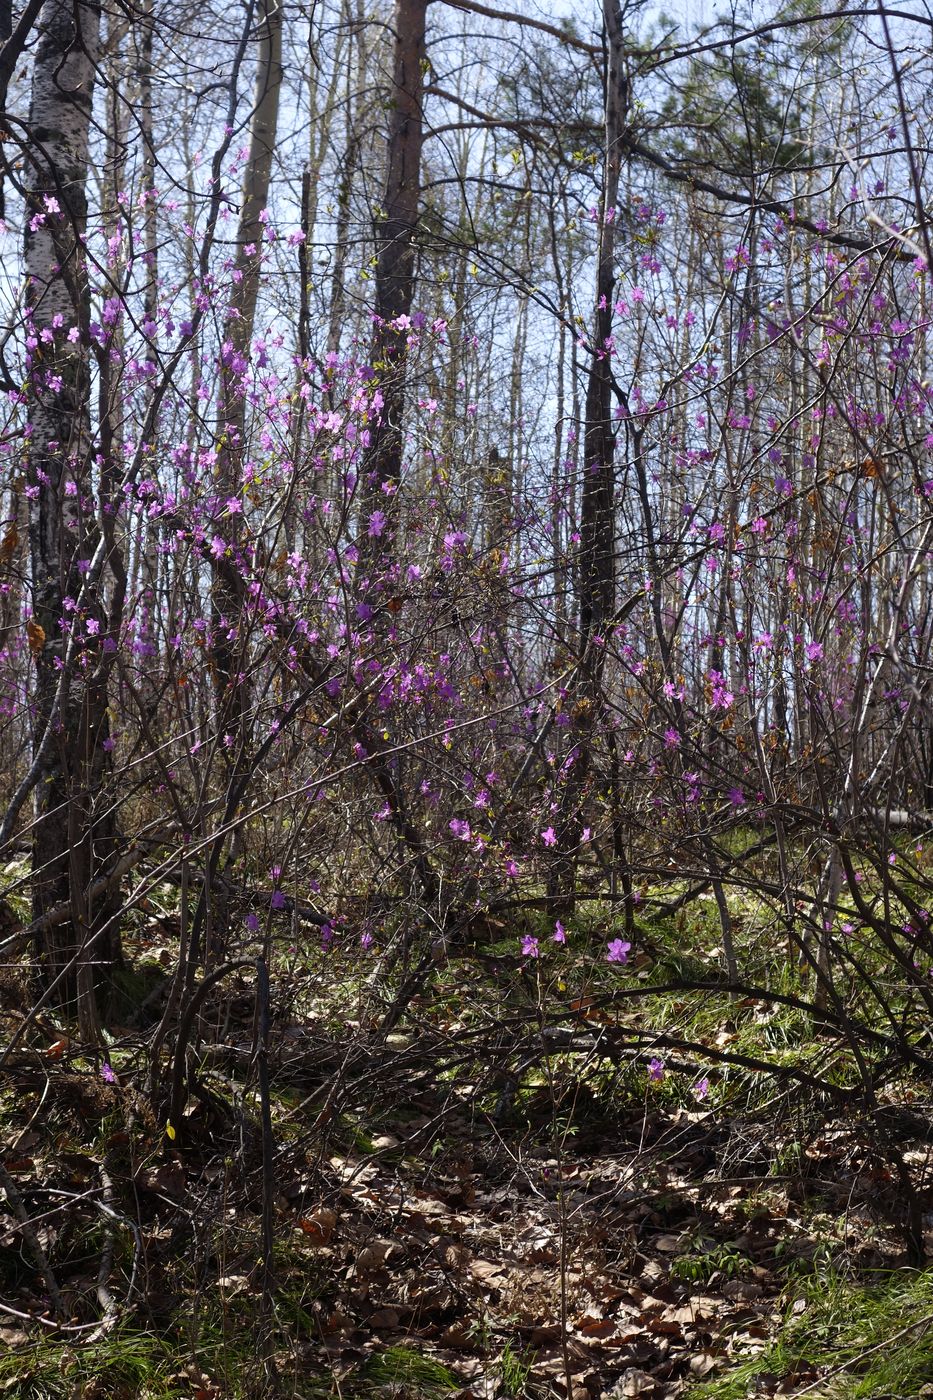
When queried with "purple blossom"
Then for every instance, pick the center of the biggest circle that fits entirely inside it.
(618, 951)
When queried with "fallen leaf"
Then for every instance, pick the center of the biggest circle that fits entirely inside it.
(372, 1256)
(605, 1328)
(485, 1270)
(635, 1382)
(319, 1226)
(667, 1244)
(384, 1319)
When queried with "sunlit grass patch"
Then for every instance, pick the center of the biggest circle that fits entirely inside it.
(845, 1341)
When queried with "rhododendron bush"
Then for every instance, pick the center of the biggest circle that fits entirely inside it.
(379, 584)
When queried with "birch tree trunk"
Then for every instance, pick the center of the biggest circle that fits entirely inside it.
(73, 824)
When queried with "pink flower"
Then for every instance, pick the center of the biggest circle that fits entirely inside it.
(655, 1070)
(560, 933)
(617, 952)
(377, 523)
(107, 1074)
(548, 836)
(814, 651)
(530, 947)
(701, 1089)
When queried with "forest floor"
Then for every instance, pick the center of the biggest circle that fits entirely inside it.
(454, 1212)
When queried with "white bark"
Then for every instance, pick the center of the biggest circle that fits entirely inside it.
(66, 745)
(59, 118)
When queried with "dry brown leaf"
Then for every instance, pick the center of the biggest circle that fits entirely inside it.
(635, 1382)
(372, 1256)
(457, 1257)
(667, 1244)
(35, 636)
(384, 1319)
(742, 1289)
(319, 1226)
(485, 1270)
(686, 1316)
(593, 1328)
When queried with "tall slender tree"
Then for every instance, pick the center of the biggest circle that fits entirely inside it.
(228, 584)
(597, 514)
(396, 227)
(70, 724)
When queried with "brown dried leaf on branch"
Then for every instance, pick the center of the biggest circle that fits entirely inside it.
(35, 635)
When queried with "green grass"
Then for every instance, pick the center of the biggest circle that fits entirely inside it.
(398, 1366)
(129, 1365)
(122, 1365)
(853, 1334)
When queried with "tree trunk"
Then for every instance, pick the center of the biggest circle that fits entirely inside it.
(73, 826)
(597, 519)
(596, 559)
(396, 230)
(229, 650)
(228, 584)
